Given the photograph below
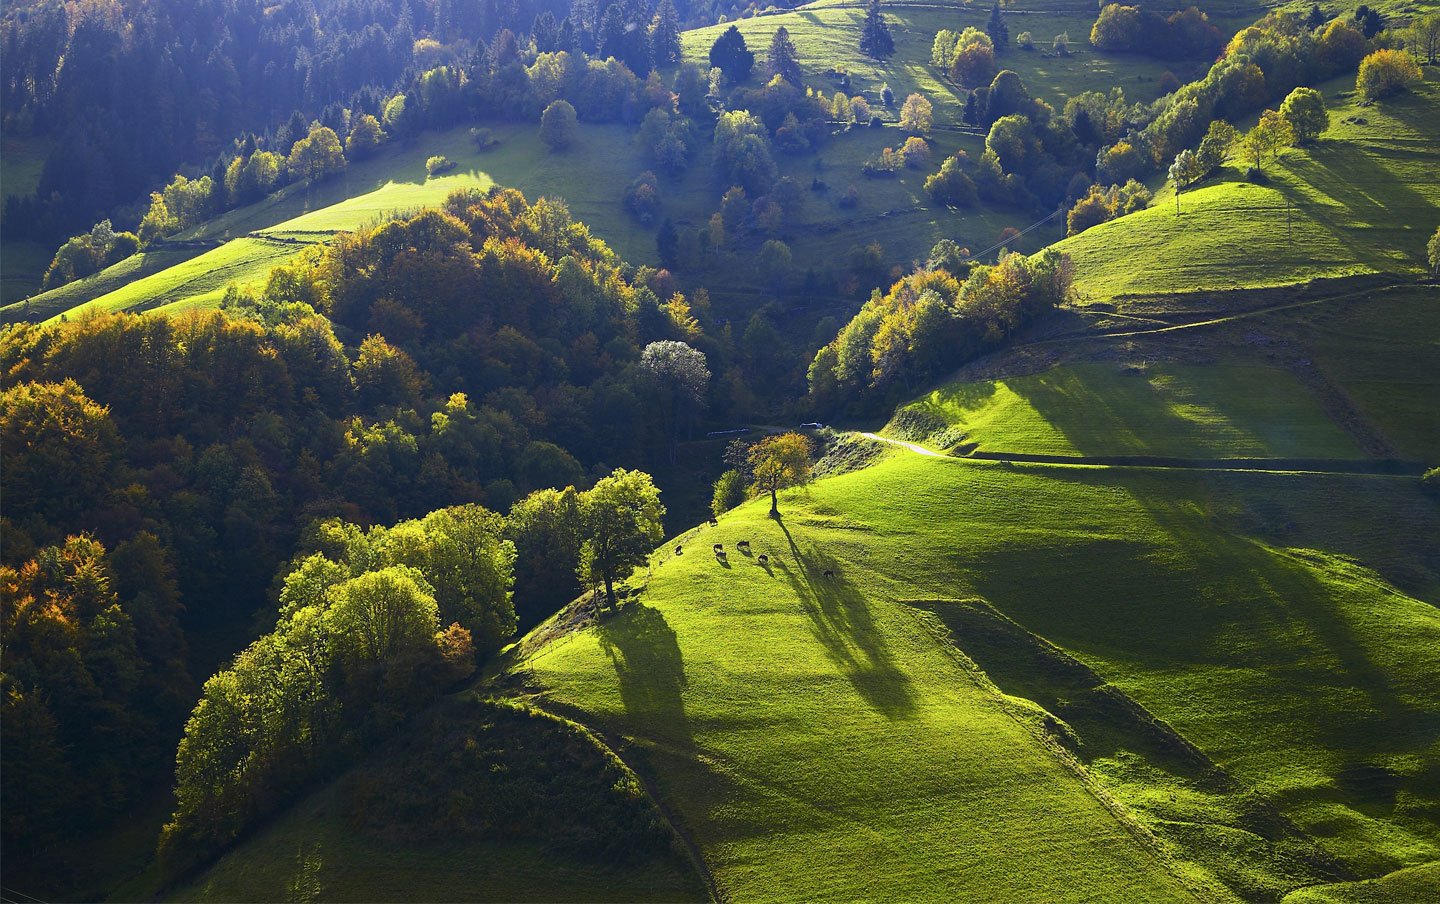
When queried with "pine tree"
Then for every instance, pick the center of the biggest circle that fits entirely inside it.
(665, 36)
(782, 59)
(971, 115)
(997, 29)
(875, 39)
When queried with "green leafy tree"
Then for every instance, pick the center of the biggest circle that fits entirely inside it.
(1424, 36)
(876, 41)
(727, 492)
(1216, 145)
(620, 523)
(1387, 72)
(365, 137)
(545, 528)
(317, 155)
(778, 462)
(917, 115)
(558, 127)
(379, 615)
(1304, 110)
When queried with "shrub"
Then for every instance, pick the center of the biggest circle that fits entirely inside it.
(1304, 109)
(915, 152)
(483, 139)
(1095, 208)
(1387, 72)
(558, 127)
(438, 164)
(642, 198)
(1061, 45)
(1025, 40)
(952, 185)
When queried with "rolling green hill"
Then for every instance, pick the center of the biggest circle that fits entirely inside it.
(1361, 201)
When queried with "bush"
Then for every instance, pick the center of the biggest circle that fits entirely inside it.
(483, 139)
(952, 185)
(642, 198)
(1025, 40)
(558, 127)
(1387, 72)
(915, 152)
(438, 164)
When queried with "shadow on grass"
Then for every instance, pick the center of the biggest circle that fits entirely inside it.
(842, 622)
(651, 672)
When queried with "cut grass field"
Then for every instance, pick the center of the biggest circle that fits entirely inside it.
(1363, 200)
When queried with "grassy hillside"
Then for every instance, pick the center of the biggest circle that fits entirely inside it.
(1169, 410)
(530, 809)
(1363, 200)
(1346, 376)
(775, 696)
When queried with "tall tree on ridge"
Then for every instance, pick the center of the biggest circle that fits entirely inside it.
(996, 28)
(875, 39)
(665, 35)
(782, 59)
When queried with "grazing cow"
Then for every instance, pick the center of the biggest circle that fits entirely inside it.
(763, 559)
(743, 544)
(677, 550)
(719, 549)
(713, 522)
(829, 573)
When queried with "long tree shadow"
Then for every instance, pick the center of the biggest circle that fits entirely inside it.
(651, 672)
(843, 623)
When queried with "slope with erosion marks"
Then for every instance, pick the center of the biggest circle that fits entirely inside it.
(1343, 379)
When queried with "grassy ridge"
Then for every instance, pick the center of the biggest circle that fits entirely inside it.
(1287, 667)
(1362, 200)
(1169, 410)
(773, 702)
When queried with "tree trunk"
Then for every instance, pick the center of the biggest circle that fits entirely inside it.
(774, 504)
(609, 591)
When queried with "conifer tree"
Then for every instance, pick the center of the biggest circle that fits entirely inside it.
(730, 55)
(665, 35)
(875, 39)
(782, 59)
(996, 28)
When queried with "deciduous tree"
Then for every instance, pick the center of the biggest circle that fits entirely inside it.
(777, 462)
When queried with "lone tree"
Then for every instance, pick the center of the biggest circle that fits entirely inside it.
(1185, 170)
(620, 523)
(917, 115)
(678, 376)
(782, 59)
(1304, 109)
(777, 462)
(558, 128)
(875, 39)
(730, 55)
(996, 28)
